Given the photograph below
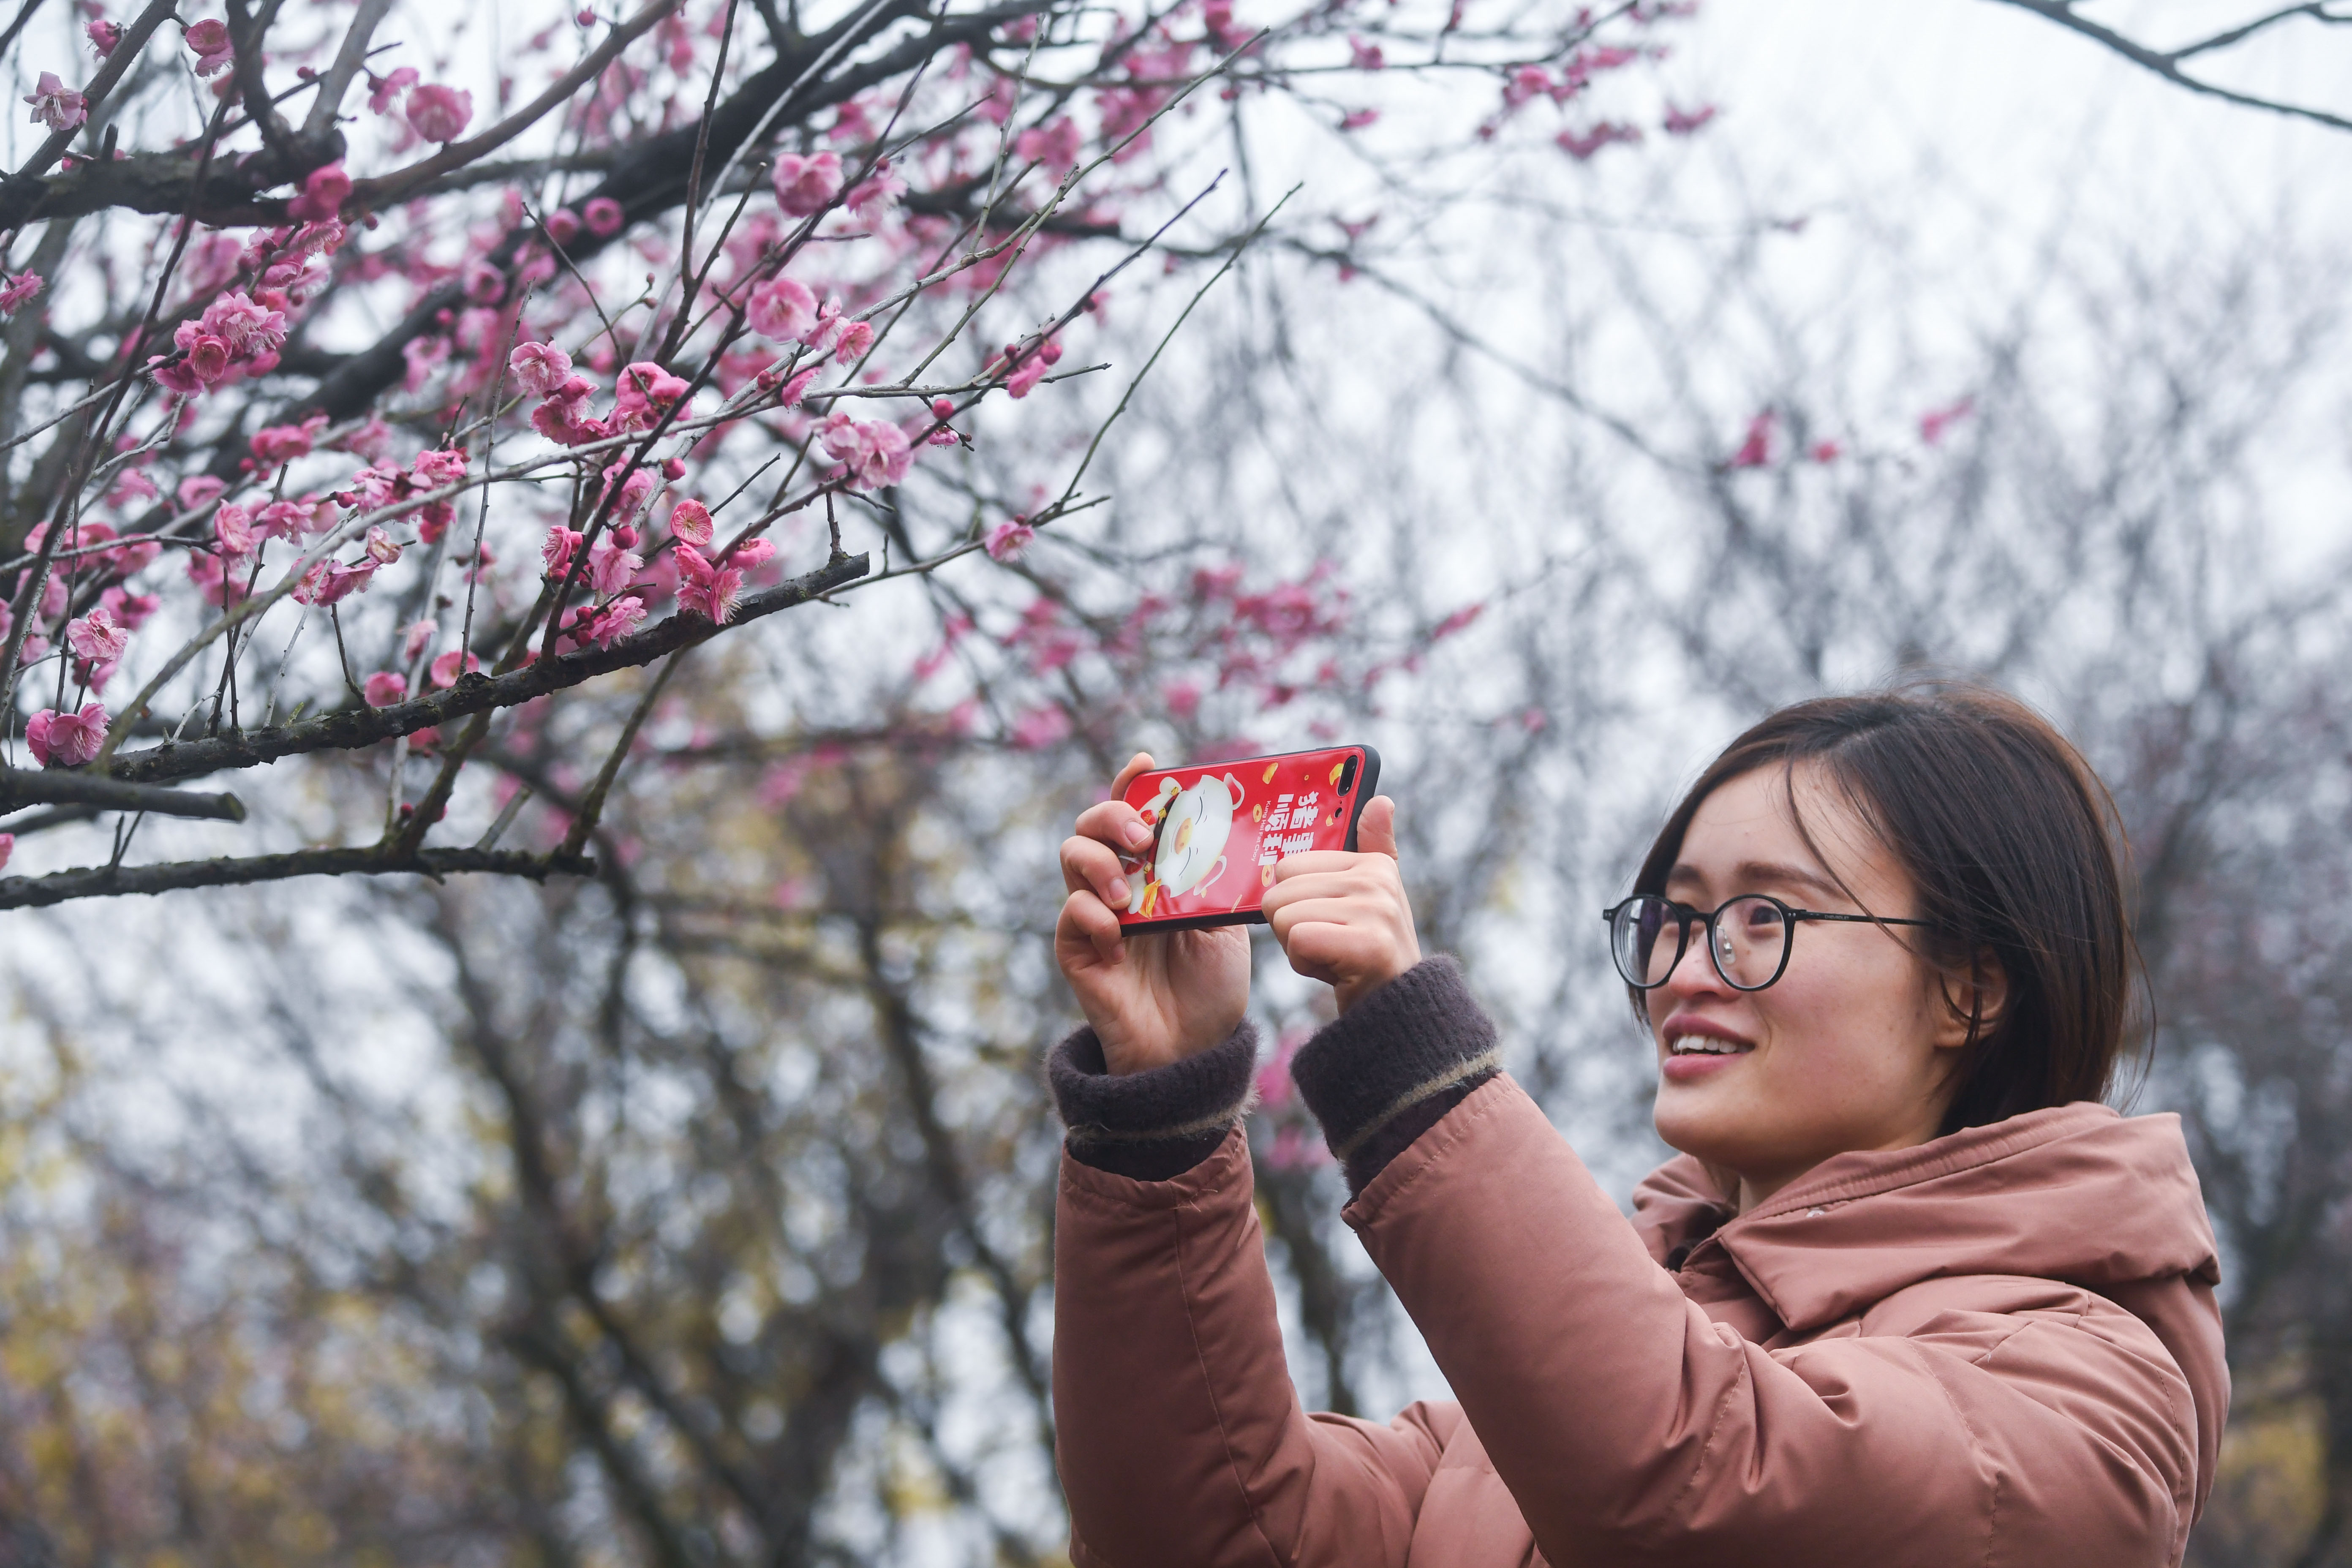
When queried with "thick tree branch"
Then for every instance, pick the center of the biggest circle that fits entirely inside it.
(27, 786)
(105, 881)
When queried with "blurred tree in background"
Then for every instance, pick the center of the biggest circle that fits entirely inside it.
(696, 1210)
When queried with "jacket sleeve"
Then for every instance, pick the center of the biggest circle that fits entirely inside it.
(1632, 1428)
(1178, 1435)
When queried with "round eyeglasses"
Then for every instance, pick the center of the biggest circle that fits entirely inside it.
(1748, 938)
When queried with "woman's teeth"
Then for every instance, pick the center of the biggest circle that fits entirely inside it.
(1706, 1044)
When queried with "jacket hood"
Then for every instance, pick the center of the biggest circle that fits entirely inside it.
(2075, 1193)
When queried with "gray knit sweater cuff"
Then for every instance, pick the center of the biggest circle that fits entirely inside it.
(1413, 1039)
(1155, 1124)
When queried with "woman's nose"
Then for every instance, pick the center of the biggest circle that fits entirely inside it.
(1694, 974)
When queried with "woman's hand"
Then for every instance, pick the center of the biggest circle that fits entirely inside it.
(1344, 918)
(1156, 996)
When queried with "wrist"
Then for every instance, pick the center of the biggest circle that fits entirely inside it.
(1155, 1122)
(1348, 993)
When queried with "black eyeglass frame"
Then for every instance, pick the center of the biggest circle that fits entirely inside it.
(1685, 914)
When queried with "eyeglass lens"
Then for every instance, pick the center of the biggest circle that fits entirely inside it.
(1750, 939)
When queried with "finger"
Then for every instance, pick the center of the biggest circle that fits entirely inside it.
(1087, 917)
(1314, 863)
(1139, 763)
(1088, 864)
(1334, 911)
(1376, 832)
(1115, 823)
(1322, 951)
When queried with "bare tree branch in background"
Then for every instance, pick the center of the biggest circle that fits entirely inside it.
(2182, 64)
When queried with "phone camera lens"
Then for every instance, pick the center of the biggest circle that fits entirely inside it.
(1348, 775)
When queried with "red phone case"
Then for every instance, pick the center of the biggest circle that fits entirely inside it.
(1218, 828)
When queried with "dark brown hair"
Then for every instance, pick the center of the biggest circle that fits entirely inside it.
(2007, 837)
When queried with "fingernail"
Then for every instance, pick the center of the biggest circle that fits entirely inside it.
(1119, 892)
(1138, 836)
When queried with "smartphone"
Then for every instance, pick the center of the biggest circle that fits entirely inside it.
(1218, 828)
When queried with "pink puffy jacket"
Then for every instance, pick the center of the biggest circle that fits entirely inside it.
(2000, 1347)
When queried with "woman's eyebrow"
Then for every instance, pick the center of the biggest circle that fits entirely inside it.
(1751, 872)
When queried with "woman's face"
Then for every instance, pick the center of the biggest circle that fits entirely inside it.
(1852, 1049)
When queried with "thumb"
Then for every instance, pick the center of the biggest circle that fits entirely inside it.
(1376, 832)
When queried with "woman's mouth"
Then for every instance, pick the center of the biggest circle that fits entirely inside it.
(1691, 1057)
(1706, 1044)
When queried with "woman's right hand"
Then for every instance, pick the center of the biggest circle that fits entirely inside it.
(1153, 997)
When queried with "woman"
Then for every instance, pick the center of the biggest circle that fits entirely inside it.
(1910, 1295)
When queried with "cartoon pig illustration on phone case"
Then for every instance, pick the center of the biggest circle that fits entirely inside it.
(1190, 849)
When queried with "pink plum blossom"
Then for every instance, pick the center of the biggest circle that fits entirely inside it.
(604, 215)
(233, 527)
(248, 326)
(95, 638)
(752, 553)
(16, 290)
(689, 523)
(280, 519)
(806, 185)
(104, 36)
(877, 455)
(564, 417)
(1936, 421)
(415, 641)
(782, 308)
(634, 489)
(332, 582)
(1007, 540)
(445, 668)
(199, 490)
(384, 687)
(209, 38)
(323, 191)
(1040, 727)
(855, 340)
(208, 357)
(485, 284)
(66, 740)
(1687, 122)
(875, 194)
(709, 591)
(132, 610)
(1054, 145)
(644, 392)
(1756, 450)
(280, 444)
(7, 847)
(611, 568)
(1582, 145)
(382, 548)
(439, 113)
(55, 105)
(437, 466)
(557, 552)
(1032, 368)
(538, 368)
(562, 226)
(605, 627)
(384, 92)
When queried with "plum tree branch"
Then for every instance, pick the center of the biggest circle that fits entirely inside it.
(106, 881)
(348, 729)
(34, 786)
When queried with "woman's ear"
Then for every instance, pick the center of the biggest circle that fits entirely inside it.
(1973, 1000)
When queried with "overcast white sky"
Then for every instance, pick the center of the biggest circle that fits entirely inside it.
(2018, 106)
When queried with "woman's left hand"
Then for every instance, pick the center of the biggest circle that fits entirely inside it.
(1344, 917)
